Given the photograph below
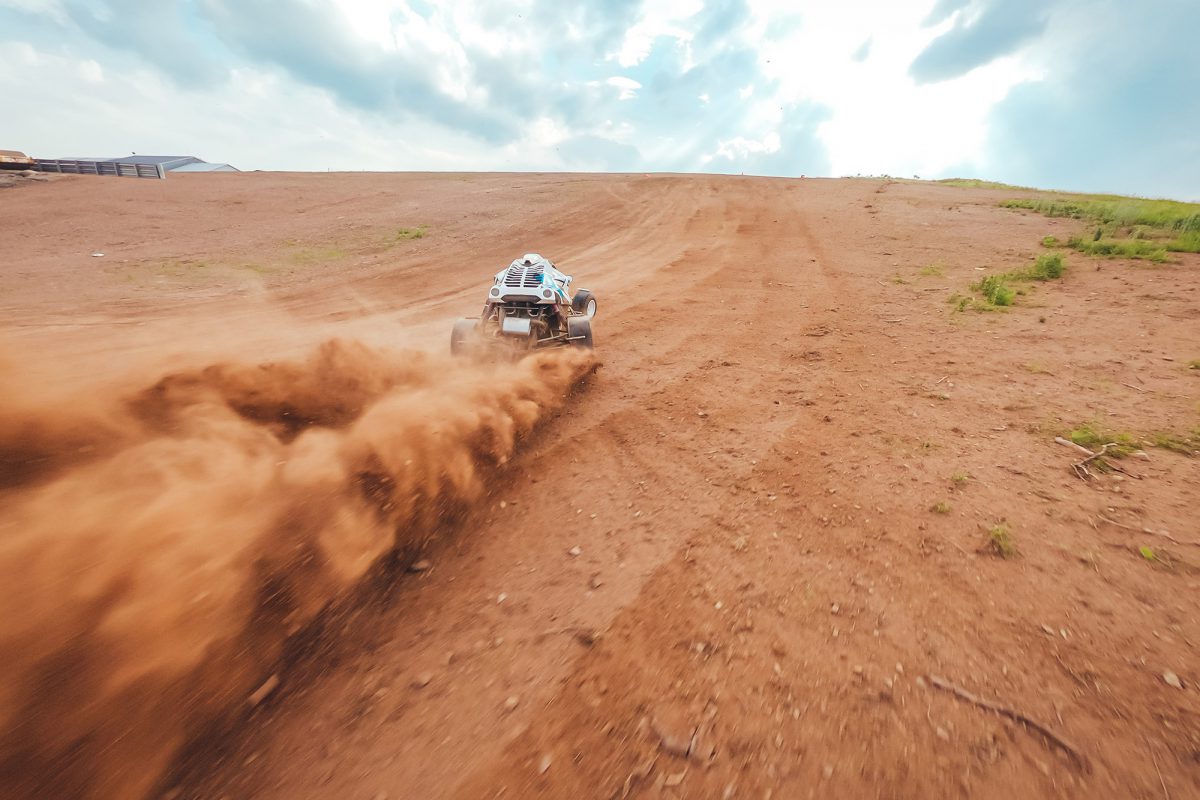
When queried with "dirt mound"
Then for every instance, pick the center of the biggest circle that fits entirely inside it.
(160, 543)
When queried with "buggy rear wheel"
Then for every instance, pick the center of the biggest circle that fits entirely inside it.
(579, 332)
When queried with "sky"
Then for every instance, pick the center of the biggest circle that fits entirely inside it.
(1087, 95)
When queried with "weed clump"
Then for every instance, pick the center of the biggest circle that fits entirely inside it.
(411, 233)
(1093, 438)
(1120, 248)
(1000, 541)
(995, 290)
(1047, 267)
(940, 507)
(1184, 444)
(1050, 241)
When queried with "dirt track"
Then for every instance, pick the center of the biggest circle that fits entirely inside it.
(749, 480)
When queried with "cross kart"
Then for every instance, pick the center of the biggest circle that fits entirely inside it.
(528, 307)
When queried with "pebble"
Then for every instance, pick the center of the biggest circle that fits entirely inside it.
(511, 702)
(1172, 679)
(544, 764)
(422, 680)
(943, 734)
(594, 582)
(576, 550)
(420, 566)
(675, 778)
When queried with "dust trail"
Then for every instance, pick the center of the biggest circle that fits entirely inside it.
(159, 544)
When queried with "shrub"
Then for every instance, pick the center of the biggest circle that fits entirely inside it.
(1047, 267)
(995, 290)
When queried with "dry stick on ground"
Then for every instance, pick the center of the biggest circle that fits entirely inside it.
(1080, 468)
(1166, 794)
(1051, 736)
(1166, 536)
(1131, 386)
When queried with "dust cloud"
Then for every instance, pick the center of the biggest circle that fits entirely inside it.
(160, 542)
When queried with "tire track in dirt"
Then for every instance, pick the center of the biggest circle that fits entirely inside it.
(768, 432)
(654, 445)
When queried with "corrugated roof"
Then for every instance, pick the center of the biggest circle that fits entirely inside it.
(168, 162)
(204, 166)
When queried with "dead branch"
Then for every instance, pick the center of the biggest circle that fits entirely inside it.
(1078, 447)
(1080, 467)
(1138, 388)
(1013, 714)
(1166, 536)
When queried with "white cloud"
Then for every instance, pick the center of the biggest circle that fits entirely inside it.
(880, 120)
(49, 8)
(739, 148)
(516, 84)
(628, 86)
(90, 71)
(658, 19)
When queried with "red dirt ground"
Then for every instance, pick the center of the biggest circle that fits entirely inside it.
(763, 598)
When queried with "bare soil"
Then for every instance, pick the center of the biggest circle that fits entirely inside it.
(763, 600)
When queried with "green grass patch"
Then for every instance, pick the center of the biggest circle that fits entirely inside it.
(1050, 241)
(1120, 248)
(305, 256)
(995, 290)
(959, 478)
(411, 233)
(933, 271)
(1187, 243)
(1187, 444)
(1116, 210)
(977, 183)
(1047, 267)
(1094, 438)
